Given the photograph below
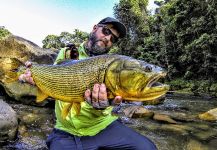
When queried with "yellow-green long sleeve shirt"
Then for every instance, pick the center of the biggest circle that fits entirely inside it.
(90, 121)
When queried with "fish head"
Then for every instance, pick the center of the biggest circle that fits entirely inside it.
(136, 80)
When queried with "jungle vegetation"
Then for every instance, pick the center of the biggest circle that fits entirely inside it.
(4, 32)
(180, 36)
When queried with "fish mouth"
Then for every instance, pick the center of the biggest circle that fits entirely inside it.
(153, 81)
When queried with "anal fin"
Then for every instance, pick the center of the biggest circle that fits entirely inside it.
(66, 109)
(77, 107)
(41, 96)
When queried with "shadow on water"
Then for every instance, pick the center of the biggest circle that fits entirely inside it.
(189, 133)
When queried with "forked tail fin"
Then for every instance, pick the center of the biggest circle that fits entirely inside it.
(10, 69)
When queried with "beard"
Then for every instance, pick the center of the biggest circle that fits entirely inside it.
(94, 49)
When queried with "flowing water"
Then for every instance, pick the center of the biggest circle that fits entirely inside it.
(189, 133)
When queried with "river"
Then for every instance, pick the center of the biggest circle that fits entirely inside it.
(188, 133)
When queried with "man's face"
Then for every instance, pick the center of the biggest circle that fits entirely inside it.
(102, 38)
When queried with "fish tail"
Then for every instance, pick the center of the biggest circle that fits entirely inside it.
(11, 70)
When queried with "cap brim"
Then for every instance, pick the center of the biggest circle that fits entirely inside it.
(121, 28)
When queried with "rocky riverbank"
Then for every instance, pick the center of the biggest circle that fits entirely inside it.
(174, 124)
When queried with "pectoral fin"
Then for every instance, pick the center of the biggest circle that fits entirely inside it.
(77, 107)
(41, 96)
(65, 110)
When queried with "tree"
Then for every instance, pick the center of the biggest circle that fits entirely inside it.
(4, 32)
(133, 14)
(52, 41)
(189, 38)
(57, 42)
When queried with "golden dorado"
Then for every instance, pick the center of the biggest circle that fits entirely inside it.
(132, 79)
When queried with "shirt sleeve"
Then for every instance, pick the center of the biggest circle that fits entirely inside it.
(62, 55)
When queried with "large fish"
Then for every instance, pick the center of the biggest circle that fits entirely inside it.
(132, 79)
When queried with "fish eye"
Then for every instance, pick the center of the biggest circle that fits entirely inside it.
(148, 68)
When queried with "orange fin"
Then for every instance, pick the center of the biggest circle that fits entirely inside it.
(41, 96)
(65, 110)
(77, 107)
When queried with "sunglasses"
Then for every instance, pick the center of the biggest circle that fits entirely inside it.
(106, 31)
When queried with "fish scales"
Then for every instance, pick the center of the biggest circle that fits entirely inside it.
(132, 79)
(70, 82)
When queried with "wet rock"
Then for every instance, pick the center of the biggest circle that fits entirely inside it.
(23, 50)
(210, 115)
(8, 122)
(212, 144)
(164, 118)
(205, 135)
(137, 112)
(14, 52)
(177, 128)
(31, 143)
(34, 126)
(195, 145)
(179, 116)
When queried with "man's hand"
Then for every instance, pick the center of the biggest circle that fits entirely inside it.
(98, 97)
(27, 76)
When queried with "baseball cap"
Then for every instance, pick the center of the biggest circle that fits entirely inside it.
(120, 27)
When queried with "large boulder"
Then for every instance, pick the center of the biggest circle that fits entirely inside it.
(8, 122)
(23, 50)
(14, 52)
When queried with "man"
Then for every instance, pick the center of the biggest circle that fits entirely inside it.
(95, 127)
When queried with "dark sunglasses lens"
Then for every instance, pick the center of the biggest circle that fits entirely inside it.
(106, 32)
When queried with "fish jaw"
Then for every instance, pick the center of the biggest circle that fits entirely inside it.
(147, 94)
(135, 80)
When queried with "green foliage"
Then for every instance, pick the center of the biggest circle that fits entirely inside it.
(181, 36)
(179, 83)
(133, 14)
(4, 33)
(52, 41)
(213, 89)
(189, 38)
(57, 42)
(198, 87)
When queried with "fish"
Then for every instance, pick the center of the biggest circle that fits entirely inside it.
(132, 79)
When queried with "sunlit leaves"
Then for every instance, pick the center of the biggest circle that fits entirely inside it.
(59, 41)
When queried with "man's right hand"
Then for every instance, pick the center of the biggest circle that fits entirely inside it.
(98, 97)
(27, 76)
